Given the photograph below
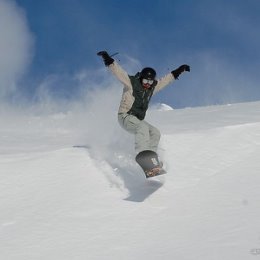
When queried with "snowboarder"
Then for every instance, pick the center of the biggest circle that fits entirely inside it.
(137, 92)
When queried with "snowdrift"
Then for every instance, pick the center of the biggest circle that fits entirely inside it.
(70, 189)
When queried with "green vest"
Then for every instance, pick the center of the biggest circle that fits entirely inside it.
(142, 97)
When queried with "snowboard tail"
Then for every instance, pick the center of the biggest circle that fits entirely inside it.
(149, 162)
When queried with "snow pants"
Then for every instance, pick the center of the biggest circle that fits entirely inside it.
(147, 137)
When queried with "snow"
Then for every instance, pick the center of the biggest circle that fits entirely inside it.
(162, 107)
(70, 188)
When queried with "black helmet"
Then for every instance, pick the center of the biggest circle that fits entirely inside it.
(148, 73)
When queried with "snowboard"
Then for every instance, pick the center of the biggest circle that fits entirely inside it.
(149, 162)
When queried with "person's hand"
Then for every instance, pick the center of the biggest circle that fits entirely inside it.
(106, 58)
(176, 73)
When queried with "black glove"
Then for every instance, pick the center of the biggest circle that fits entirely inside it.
(176, 73)
(106, 58)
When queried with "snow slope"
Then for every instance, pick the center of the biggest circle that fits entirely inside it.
(70, 189)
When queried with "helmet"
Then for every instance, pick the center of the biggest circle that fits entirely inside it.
(148, 73)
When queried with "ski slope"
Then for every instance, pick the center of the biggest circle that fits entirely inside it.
(70, 189)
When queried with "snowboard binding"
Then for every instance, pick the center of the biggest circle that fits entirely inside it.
(149, 162)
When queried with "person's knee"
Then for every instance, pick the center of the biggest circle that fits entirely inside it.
(143, 129)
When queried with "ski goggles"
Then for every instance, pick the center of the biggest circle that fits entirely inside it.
(147, 81)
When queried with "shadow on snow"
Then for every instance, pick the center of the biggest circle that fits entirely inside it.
(123, 168)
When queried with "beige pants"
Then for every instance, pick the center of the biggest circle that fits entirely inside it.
(147, 137)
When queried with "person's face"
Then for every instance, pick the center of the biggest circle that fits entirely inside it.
(147, 83)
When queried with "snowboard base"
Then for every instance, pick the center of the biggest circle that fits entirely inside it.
(149, 162)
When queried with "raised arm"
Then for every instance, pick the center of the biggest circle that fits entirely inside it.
(167, 79)
(115, 68)
(163, 82)
(120, 73)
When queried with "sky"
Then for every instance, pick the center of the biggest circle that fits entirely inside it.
(49, 47)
